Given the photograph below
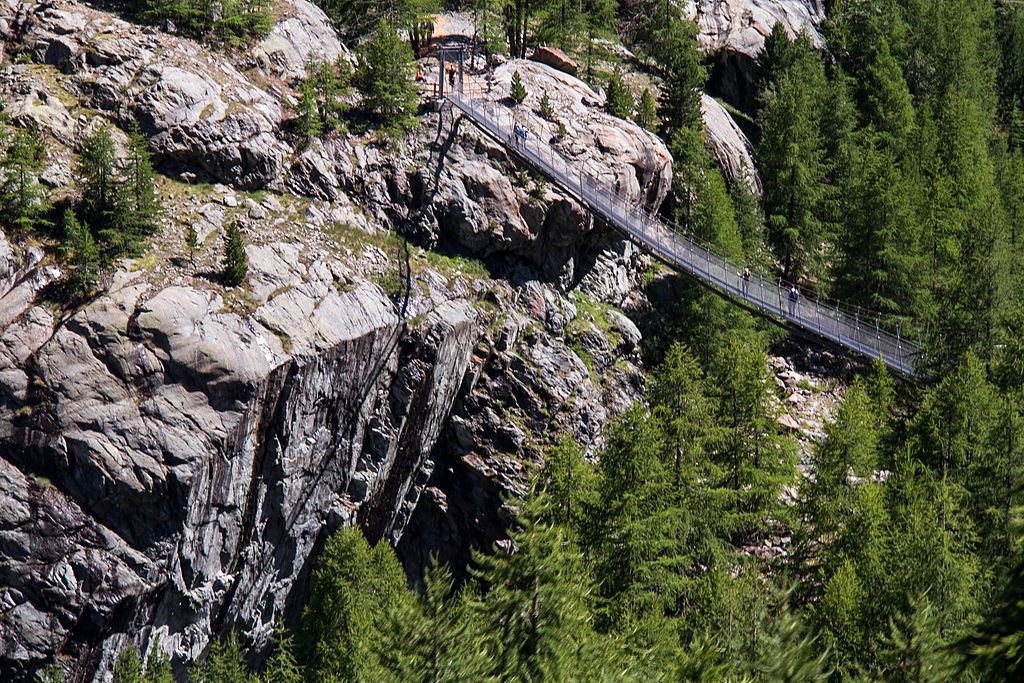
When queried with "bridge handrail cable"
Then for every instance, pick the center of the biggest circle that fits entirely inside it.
(859, 331)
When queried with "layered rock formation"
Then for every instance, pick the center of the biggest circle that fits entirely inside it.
(173, 453)
(733, 32)
(731, 147)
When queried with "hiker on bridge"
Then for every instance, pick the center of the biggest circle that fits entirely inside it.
(794, 298)
(451, 77)
(746, 281)
(520, 134)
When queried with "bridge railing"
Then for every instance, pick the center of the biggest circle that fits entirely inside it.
(829, 320)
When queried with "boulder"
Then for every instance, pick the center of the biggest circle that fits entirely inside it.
(741, 26)
(182, 462)
(304, 31)
(730, 145)
(488, 209)
(199, 112)
(556, 59)
(733, 32)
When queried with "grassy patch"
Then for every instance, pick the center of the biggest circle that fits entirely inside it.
(455, 265)
(240, 301)
(346, 235)
(588, 360)
(148, 261)
(590, 311)
(392, 282)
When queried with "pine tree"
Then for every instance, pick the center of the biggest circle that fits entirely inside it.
(537, 606)
(914, 651)
(322, 104)
(518, 90)
(843, 461)
(755, 458)
(547, 112)
(308, 124)
(436, 638)
(128, 668)
(647, 111)
(158, 666)
(704, 207)
(236, 265)
(570, 483)
(793, 164)
(224, 663)
(52, 674)
(879, 265)
(191, 243)
(282, 667)
(385, 78)
(995, 647)
(488, 23)
(774, 59)
(618, 100)
(793, 655)
(81, 254)
(888, 105)
(684, 78)
(137, 205)
(354, 589)
(97, 177)
(22, 203)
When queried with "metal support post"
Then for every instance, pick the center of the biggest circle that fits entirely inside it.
(899, 346)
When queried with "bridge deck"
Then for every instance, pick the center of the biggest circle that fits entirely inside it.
(647, 230)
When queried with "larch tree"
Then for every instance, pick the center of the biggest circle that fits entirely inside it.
(22, 199)
(385, 78)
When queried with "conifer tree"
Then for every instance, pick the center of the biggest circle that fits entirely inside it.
(704, 207)
(308, 123)
(517, 91)
(994, 647)
(537, 605)
(81, 253)
(235, 266)
(97, 178)
(224, 663)
(128, 668)
(684, 79)
(436, 638)
(879, 265)
(354, 588)
(755, 458)
(282, 667)
(618, 100)
(647, 111)
(774, 59)
(570, 483)
(793, 165)
(191, 243)
(385, 78)
(888, 105)
(793, 655)
(158, 666)
(22, 204)
(137, 207)
(547, 112)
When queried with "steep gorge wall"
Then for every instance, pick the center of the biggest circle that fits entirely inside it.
(171, 469)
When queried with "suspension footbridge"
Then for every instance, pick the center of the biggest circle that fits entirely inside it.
(850, 329)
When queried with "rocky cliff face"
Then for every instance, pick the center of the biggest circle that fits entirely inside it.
(173, 453)
(732, 32)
